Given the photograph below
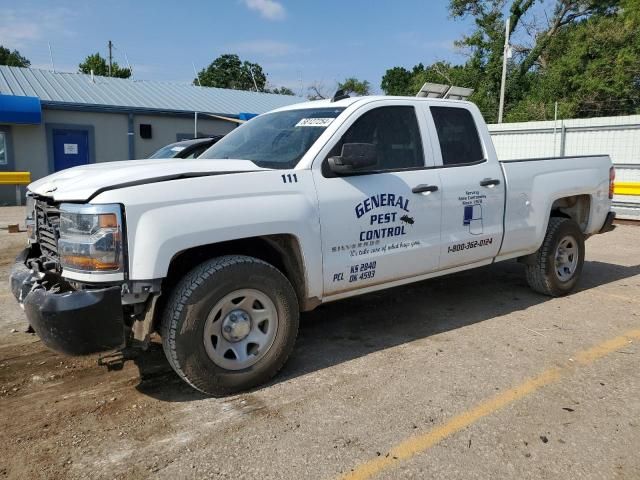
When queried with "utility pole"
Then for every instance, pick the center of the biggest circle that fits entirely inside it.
(505, 54)
(53, 67)
(253, 78)
(110, 56)
(195, 72)
(126, 59)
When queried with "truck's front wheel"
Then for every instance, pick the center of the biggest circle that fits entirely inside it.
(556, 266)
(230, 324)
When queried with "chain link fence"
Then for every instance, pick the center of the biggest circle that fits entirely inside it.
(618, 137)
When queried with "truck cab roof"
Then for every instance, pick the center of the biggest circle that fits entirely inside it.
(347, 102)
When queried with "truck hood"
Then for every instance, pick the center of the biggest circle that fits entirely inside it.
(84, 182)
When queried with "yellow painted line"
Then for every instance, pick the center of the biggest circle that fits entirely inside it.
(15, 178)
(420, 443)
(626, 188)
(586, 357)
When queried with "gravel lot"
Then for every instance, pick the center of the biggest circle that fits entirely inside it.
(433, 365)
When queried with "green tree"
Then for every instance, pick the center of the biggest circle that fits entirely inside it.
(397, 81)
(281, 91)
(590, 68)
(228, 71)
(12, 58)
(100, 67)
(353, 85)
(400, 81)
(317, 91)
(585, 56)
(441, 72)
(485, 44)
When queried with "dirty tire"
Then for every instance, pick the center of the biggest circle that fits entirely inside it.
(541, 273)
(185, 316)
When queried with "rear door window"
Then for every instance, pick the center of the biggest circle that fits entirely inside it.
(457, 135)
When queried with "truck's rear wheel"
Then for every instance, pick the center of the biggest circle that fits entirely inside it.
(230, 324)
(557, 265)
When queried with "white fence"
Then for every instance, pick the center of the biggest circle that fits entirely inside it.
(618, 137)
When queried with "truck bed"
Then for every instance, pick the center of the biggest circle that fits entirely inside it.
(533, 189)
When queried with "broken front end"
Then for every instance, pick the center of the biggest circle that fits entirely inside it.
(71, 279)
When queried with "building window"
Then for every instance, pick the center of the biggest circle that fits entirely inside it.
(3, 149)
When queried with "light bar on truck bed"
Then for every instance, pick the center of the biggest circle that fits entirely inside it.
(438, 90)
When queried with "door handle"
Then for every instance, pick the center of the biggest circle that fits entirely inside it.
(489, 182)
(425, 188)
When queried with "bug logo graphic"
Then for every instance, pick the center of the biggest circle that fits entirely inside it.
(473, 219)
(407, 219)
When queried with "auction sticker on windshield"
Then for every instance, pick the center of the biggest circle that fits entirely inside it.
(315, 122)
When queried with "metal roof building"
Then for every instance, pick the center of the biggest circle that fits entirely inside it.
(58, 89)
(54, 120)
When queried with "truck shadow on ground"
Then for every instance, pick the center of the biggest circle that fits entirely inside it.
(352, 328)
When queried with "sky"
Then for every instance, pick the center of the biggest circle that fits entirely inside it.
(297, 42)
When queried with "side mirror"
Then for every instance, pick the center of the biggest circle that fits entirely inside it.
(354, 156)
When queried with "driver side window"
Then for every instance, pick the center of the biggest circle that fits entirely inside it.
(395, 134)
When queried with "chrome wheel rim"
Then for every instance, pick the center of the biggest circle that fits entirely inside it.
(566, 258)
(240, 329)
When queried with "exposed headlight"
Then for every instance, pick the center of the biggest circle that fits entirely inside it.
(91, 238)
(30, 218)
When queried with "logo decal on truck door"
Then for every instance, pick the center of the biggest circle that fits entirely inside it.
(473, 219)
(381, 216)
(472, 211)
(384, 224)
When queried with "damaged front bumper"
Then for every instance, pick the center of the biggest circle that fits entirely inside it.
(74, 322)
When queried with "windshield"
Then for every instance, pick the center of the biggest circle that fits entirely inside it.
(275, 140)
(170, 151)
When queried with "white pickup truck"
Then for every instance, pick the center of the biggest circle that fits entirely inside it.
(301, 206)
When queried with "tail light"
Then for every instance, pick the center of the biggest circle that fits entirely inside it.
(612, 178)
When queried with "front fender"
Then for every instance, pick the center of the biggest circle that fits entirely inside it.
(168, 218)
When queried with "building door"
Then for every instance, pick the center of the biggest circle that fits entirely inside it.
(70, 148)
